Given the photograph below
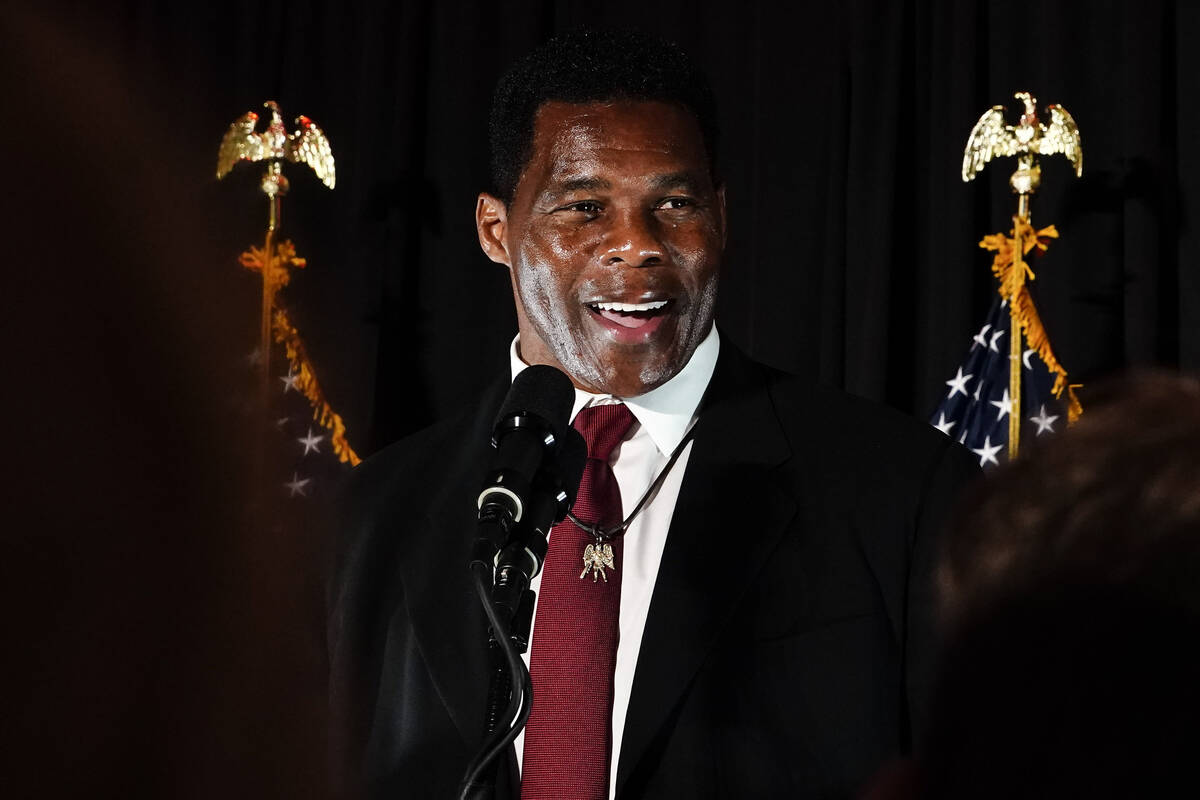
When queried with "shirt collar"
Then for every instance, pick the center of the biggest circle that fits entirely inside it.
(667, 411)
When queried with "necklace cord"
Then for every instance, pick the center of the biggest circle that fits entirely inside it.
(603, 535)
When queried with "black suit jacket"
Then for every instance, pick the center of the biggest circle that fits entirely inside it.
(790, 637)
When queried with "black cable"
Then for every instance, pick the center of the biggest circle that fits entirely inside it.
(499, 687)
(519, 704)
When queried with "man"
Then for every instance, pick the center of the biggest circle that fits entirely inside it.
(767, 630)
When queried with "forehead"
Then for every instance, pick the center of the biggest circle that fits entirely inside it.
(637, 137)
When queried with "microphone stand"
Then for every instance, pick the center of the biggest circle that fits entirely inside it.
(501, 681)
(503, 591)
(500, 686)
(479, 782)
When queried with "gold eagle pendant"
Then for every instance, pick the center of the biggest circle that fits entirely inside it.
(595, 558)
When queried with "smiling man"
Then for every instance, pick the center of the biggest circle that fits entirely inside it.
(760, 624)
(613, 236)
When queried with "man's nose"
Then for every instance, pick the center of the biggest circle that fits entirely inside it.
(633, 239)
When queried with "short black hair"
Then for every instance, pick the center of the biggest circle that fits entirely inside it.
(591, 66)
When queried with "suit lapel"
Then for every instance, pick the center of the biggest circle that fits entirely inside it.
(727, 520)
(450, 626)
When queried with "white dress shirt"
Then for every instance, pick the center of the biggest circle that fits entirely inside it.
(664, 415)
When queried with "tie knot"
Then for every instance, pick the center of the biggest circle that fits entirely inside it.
(603, 428)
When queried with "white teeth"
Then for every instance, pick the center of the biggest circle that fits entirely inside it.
(631, 306)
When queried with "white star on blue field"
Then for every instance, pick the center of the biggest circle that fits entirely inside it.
(976, 407)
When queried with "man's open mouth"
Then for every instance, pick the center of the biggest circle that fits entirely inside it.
(630, 315)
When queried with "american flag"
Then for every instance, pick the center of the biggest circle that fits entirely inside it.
(975, 410)
(303, 450)
(305, 446)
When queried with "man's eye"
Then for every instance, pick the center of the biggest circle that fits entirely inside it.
(672, 203)
(584, 207)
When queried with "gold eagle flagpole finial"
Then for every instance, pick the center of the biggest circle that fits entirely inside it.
(992, 138)
(1029, 138)
(306, 145)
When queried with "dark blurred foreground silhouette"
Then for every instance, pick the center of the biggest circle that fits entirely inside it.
(162, 645)
(1071, 595)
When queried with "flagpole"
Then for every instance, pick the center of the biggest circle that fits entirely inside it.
(1024, 181)
(1029, 138)
(307, 145)
(275, 185)
(1014, 343)
(268, 300)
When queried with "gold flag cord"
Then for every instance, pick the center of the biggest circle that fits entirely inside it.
(1012, 271)
(306, 381)
(273, 277)
(275, 268)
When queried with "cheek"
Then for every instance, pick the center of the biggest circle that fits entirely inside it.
(694, 243)
(699, 257)
(549, 263)
(545, 284)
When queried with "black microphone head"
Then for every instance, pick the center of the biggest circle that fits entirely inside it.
(533, 422)
(544, 396)
(543, 392)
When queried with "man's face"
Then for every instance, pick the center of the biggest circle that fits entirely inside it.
(613, 240)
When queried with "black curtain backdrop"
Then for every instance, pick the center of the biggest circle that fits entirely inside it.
(853, 248)
(164, 649)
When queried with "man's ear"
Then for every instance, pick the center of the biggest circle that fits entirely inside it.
(491, 223)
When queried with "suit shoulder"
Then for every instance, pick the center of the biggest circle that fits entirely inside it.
(381, 497)
(430, 453)
(415, 453)
(854, 433)
(840, 413)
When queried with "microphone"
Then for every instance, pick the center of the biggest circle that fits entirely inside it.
(535, 472)
(534, 476)
(521, 558)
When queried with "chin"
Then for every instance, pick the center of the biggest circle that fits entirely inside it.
(636, 380)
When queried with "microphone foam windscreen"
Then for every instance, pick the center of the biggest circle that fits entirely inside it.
(543, 392)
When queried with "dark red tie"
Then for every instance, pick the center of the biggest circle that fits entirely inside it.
(568, 741)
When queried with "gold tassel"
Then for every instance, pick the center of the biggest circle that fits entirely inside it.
(1074, 409)
(287, 335)
(285, 258)
(1013, 289)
